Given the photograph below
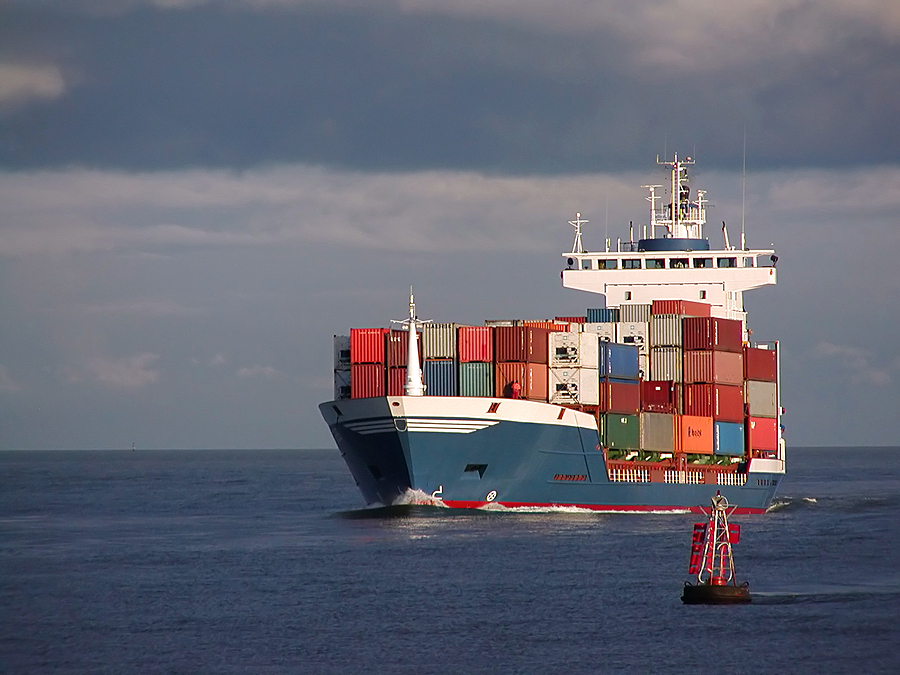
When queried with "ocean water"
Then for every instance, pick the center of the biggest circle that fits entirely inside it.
(260, 561)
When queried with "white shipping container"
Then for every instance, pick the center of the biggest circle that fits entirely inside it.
(605, 331)
(341, 351)
(564, 349)
(341, 383)
(665, 330)
(761, 398)
(666, 363)
(633, 333)
(574, 385)
(439, 340)
(589, 349)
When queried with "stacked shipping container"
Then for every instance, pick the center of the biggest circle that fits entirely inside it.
(707, 394)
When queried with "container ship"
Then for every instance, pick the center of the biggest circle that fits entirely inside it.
(654, 400)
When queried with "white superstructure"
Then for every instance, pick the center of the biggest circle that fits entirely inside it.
(674, 260)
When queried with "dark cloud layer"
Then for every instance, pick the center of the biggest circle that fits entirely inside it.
(232, 86)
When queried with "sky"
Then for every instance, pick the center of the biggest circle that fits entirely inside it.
(196, 195)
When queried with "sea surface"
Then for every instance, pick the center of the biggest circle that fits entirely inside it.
(262, 561)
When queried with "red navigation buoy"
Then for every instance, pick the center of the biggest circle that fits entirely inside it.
(712, 561)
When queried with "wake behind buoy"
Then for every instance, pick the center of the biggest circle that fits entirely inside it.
(712, 560)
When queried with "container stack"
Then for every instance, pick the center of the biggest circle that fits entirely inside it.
(666, 380)
(573, 376)
(713, 382)
(761, 397)
(521, 357)
(476, 357)
(341, 367)
(367, 362)
(439, 363)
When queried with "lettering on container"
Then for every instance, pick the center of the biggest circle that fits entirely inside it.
(696, 433)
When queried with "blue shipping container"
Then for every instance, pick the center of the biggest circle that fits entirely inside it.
(620, 362)
(729, 439)
(476, 379)
(440, 377)
(603, 315)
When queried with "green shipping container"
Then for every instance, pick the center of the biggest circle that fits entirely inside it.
(620, 432)
(476, 379)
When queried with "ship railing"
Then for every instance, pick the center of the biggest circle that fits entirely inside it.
(684, 477)
(731, 478)
(629, 474)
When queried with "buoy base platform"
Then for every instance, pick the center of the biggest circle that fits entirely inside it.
(713, 594)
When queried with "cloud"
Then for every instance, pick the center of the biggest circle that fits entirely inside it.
(855, 361)
(82, 211)
(22, 84)
(258, 372)
(123, 373)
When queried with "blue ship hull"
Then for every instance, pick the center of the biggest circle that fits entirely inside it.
(476, 452)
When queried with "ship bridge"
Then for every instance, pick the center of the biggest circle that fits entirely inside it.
(679, 264)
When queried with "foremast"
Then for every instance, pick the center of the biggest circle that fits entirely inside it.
(415, 385)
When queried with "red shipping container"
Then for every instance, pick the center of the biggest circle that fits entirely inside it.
(760, 365)
(694, 434)
(570, 319)
(366, 380)
(726, 335)
(396, 381)
(713, 368)
(367, 345)
(660, 396)
(532, 378)
(620, 397)
(475, 343)
(682, 307)
(724, 403)
(520, 343)
(397, 346)
(762, 433)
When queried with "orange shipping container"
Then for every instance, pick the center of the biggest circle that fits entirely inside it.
(694, 435)
(532, 378)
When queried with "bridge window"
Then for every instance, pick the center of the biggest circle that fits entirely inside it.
(585, 264)
(703, 262)
(678, 263)
(607, 264)
(656, 263)
(726, 262)
(748, 262)
(631, 264)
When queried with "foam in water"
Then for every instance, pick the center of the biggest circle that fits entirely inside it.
(418, 498)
